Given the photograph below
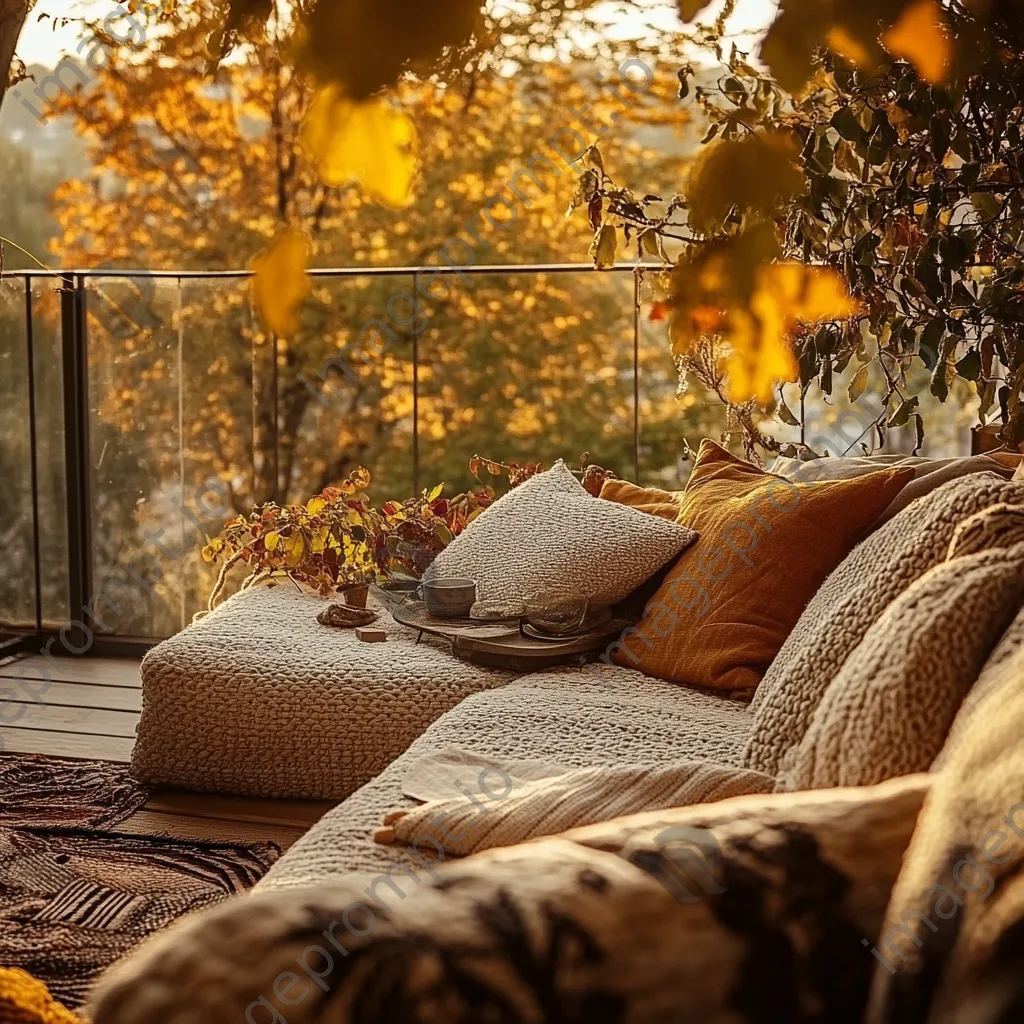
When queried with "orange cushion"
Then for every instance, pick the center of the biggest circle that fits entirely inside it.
(652, 500)
(766, 545)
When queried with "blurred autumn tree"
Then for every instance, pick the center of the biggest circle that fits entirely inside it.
(203, 173)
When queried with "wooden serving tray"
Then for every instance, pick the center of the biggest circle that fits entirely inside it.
(502, 643)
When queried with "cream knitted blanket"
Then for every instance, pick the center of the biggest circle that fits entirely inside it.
(475, 803)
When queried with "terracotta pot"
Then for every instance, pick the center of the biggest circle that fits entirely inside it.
(355, 596)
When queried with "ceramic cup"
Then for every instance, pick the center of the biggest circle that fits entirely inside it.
(448, 598)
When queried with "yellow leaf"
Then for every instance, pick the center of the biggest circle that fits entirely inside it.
(751, 173)
(918, 36)
(280, 282)
(603, 248)
(759, 336)
(271, 540)
(760, 354)
(435, 493)
(295, 548)
(842, 42)
(859, 383)
(315, 505)
(808, 294)
(370, 143)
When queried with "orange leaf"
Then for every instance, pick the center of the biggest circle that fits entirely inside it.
(919, 37)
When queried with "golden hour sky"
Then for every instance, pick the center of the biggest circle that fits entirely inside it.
(43, 43)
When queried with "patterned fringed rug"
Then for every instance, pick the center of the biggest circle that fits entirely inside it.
(50, 792)
(74, 897)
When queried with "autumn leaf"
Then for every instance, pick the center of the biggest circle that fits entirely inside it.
(602, 249)
(708, 297)
(371, 143)
(280, 283)
(841, 41)
(859, 383)
(918, 37)
(271, 540)
(751, 174)
(315, 506)
(295, 548)
(811, 294)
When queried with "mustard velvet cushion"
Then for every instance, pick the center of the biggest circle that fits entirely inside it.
(766, 545)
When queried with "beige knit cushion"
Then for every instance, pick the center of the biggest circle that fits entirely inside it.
(852, 598)
(999, 526)
(928, 473)
(549, 539)
(889, 709)
(952, 945)
(581, 796)
(260, 699)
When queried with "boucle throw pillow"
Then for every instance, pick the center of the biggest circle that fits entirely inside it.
(850, 601)
(952, 944)
(890, 708)
(548, 539)
(766, 545)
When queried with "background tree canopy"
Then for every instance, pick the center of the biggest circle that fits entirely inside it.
(848, 237)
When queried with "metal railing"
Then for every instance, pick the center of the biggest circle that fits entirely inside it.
(73, 287)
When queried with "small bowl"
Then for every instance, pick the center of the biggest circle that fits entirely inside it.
(448, 598)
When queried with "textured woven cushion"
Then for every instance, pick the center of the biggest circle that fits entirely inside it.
(260, 699)
(889, 709)
(850, 601)
(549, 539)
(928, 473)
(596, 716)
(729, 602)
(952, 945)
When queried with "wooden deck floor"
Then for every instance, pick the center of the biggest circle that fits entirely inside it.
(90, 711)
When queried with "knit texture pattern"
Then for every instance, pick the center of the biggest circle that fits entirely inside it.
(583, 796)
(597, 716)
(850, 600)
(953, 934)
(260, 699)
(549, 539)
(890, 708)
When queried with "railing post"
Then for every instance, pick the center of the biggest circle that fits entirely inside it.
(638, 278)
(78, 638)
(30, 364)
(415, 384)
